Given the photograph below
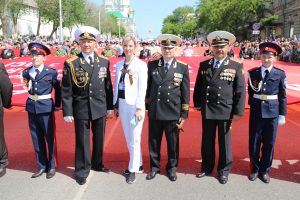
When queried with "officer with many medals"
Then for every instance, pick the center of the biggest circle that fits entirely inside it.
(267, 100)
(87, 99)
(168, 94)
(220, 94)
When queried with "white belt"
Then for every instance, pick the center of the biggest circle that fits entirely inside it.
(265, 97)
(39, 97)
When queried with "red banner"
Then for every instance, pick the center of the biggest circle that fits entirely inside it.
(16, 66)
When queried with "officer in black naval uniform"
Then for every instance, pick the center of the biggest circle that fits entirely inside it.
(40, 81)
(145, 53)
(86, 96)
(267, 100)
(168, 94)
(5, 101)
(7, 52)
(220, 94)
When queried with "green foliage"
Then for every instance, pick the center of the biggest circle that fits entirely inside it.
(236, 16)
(182, 22)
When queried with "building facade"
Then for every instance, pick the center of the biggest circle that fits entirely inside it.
(125, 14)
(288, 24)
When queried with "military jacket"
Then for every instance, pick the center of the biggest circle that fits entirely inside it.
(60, 52)
(86, 90)
(6, 54)
(274, 84)
(220, 94)
(168, 93)
(43, 84)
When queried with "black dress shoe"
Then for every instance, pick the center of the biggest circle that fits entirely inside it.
(38, 174)
(80, 180)
(50, 173)
(253, 176)
(172, 176)
(101, 169)
(223, 179)
(202, 174)
(265, 178)
(151, 175)
(2, 171)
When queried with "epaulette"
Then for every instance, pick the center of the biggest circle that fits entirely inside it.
(106, 58)
(179, 61)
(279, 69)
(72, 59)
(252, 69)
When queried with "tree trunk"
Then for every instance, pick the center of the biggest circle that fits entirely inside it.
(39, 25)
(6, 29)
(53, 30)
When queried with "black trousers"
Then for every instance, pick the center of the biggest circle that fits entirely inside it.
(3, 148)
(156, 129)
(209, 127)
(83, 162)
(262, 137)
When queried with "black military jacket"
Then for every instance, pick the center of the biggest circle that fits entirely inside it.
(86, 90)
(222, 94)
(168, 93)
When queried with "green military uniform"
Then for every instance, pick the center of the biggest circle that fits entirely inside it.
(60, 52)
(108, 52)
(75, 51)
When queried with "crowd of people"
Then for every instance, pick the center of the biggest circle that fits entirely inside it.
(113, 48)
(162, 86)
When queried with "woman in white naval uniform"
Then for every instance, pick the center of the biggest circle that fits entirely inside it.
(129, 100)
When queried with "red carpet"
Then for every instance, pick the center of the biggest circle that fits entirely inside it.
(286, 159)
(15, 67)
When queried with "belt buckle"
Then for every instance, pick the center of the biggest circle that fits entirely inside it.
(263, 97)
(35, 97)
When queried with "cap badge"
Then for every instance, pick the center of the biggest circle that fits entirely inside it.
(168, 41)
(218, 39)
(86, 34)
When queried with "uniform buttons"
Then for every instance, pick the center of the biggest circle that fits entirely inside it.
(35, 88)
(168, 93)
(158, 99)
(101, 90)
(207, 101)
(159, 87)
(91, 91)
(168, 100)
(90, 84)
(207, 94)
(207, 87)
(263, 101)
(91, 98)
(158, 93)
(265, 83)
(219, 95)
(169, 87)
(36, 83)
(264, 89)
(218, 102)
(220, 87)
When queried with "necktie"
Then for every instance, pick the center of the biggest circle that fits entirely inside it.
(216, 66)
(166, 67)
(91, 61)
(37, 73)
(266, 74)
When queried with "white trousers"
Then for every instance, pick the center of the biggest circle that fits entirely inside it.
(132, 134)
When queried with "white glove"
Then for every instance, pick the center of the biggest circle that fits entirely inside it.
(68, 119)
(281, 120)
(109, 112)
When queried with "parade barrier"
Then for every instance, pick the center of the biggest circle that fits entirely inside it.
(16, 66)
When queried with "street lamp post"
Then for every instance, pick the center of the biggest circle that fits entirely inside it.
(60, 22)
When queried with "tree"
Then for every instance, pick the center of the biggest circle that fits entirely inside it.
(182, 22)
(236, 16)
(16, 7)
(73, 13)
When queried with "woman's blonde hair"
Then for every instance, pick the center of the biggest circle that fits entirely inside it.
(129, 38)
